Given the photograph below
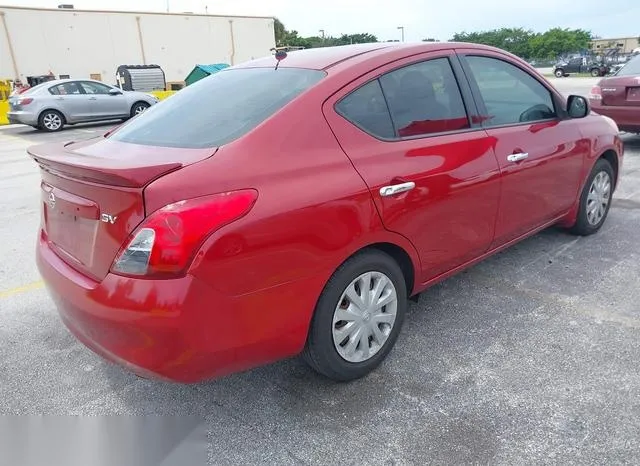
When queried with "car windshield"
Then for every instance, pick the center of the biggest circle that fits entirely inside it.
(218, 109)
(632, 68)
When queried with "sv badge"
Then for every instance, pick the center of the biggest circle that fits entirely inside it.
(106, 218)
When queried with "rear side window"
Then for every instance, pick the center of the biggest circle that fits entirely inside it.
(412, 101)
(366, 108)
(66, 89)
(425, 99)
(218, 109)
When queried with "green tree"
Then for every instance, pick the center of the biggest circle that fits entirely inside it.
(528, 44)
(557, 42)
(280, 32)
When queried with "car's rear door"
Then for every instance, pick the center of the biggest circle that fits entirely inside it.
(70, 99)
(540, 152)
(430, 168)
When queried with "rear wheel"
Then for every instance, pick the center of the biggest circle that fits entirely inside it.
(595, 72)
(138, 108)
(358, 317)
(51, 120)
(595, 199)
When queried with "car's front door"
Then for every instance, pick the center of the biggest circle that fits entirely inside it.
(104, 104)
(540, 152)
(430, 169)
(70, 99)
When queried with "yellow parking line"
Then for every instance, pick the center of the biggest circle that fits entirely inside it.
(22, 289)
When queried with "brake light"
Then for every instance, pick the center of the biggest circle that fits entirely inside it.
(596, 93)
(25, 101)
(165, 244)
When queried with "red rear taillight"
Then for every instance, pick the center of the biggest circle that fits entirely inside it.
(25, 101)
(165, 243)
(596, 93)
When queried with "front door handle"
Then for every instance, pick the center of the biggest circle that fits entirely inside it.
(93, 98)
(517, 157)
(386, 191)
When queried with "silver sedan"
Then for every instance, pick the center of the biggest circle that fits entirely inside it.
(52, 104)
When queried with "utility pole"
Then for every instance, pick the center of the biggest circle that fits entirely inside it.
(322, 34)
(402, 29)
(168, 6)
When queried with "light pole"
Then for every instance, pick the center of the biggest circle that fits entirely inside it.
(167, 6)
(322, 34)
(402, 29)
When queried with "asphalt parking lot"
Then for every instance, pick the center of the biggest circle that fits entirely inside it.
(531, 356)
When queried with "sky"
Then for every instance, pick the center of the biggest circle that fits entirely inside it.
(420, 18)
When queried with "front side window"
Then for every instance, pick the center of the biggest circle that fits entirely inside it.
(218, 109)
(95, 88)
(510, 95)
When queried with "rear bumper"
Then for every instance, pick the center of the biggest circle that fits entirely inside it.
(22, 118)
(179, 330)
(627, 118)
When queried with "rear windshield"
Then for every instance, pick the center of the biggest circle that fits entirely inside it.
(218, 109)
(632, 68)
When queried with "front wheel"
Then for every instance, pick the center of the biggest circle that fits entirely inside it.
(595, 200)
(559, 73)
(595, 72)
(138, 108)
(358, 317)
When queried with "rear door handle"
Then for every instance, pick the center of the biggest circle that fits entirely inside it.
(386, 191)
(92, 98)
(517, 157)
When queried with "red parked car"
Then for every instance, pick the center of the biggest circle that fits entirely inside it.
(618, 96)
(262, 213)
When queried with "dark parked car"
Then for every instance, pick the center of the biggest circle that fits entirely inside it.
(577, 65)
(618, 96)
(261, 213)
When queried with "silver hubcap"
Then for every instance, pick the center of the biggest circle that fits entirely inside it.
(139, 109)
(52, 121)
(364, 317)
(598, 198)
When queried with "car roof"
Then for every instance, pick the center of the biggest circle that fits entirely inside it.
(322, 58)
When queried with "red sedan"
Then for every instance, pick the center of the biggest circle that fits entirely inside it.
(270, 211)
(618, 96)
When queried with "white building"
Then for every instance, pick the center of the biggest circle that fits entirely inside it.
(84, 44)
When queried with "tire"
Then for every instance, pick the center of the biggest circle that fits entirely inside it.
(559, 73)
(321, 351)
(597, 190)
(595, 72)
(51, 121)
(138, 108)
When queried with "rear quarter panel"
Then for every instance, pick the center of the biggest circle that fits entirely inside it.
(312, 213)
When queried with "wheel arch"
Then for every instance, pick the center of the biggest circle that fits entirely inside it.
(611, 156)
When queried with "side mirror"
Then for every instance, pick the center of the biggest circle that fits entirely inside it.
(115, 92)
(577, 106)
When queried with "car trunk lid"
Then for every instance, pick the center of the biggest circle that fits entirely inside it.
(92, 195)
(621, 91)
